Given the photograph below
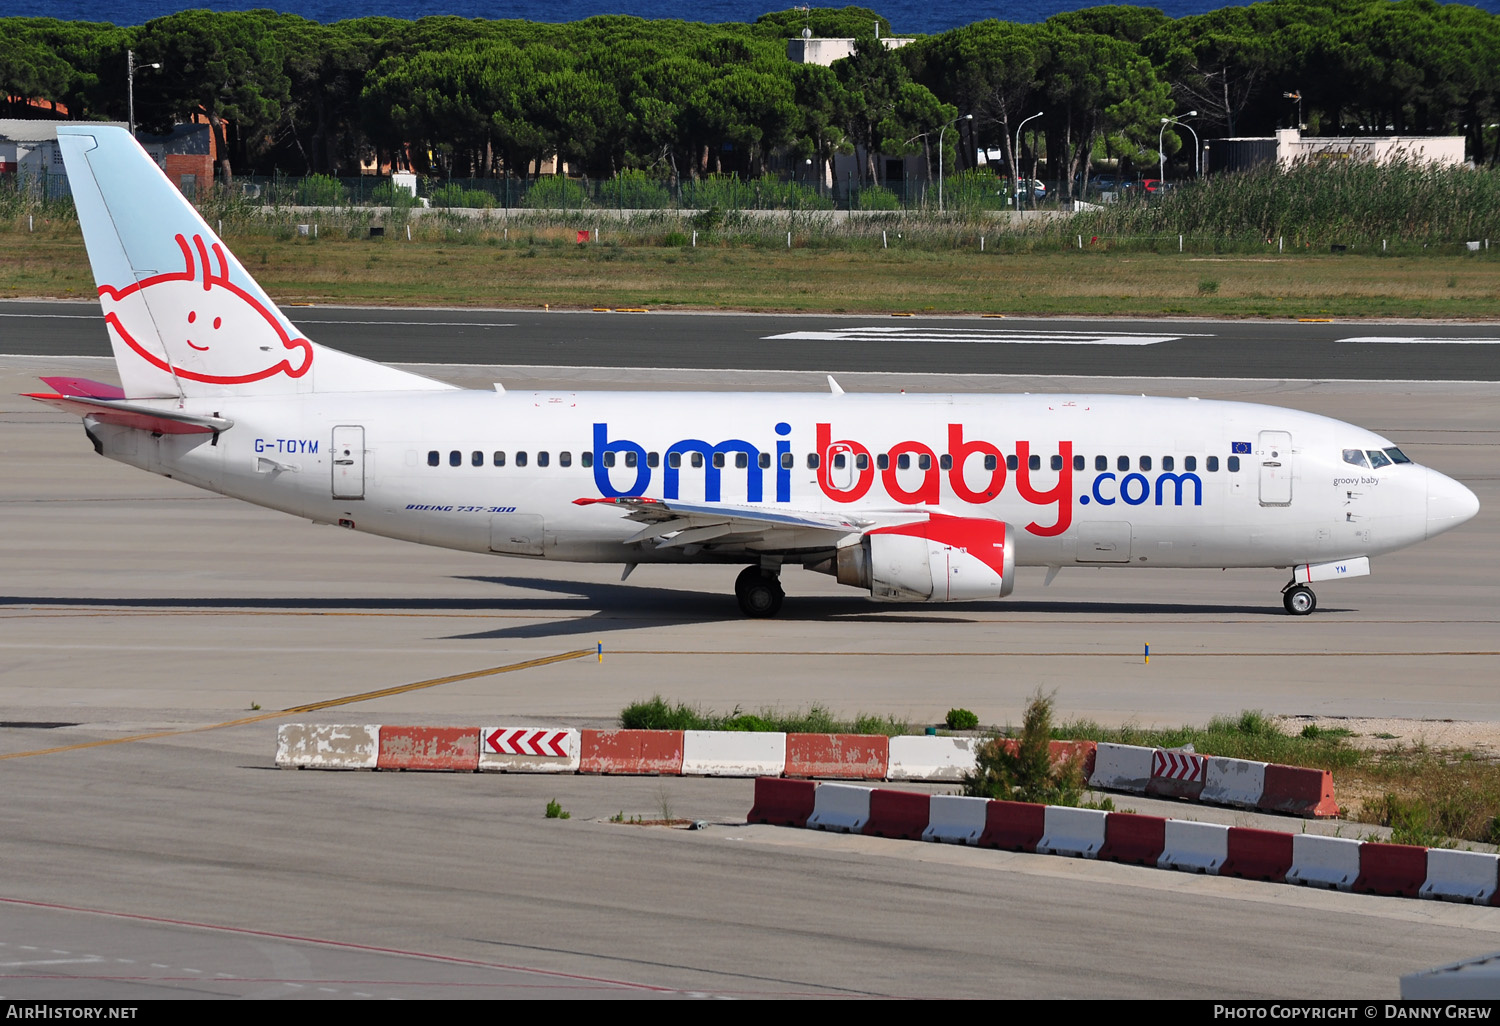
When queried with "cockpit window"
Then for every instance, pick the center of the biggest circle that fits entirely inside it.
(1379, 459)
(1356, 457)
(1397, 456)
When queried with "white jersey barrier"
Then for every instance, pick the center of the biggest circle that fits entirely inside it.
(1324, 861)
(1237, 782)
(955, 819)
(1122, 767)
(931, 758)
(733, 753)
(330, 746)
(843, 808)
(1078, 832)
(1461, 876)
(1194, 847)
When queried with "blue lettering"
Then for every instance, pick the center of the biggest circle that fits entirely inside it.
(711, 477)
(1177, 480)
(603, 445)
(260, 445)
(1125, 483)
(783, 472)
(1101, 500)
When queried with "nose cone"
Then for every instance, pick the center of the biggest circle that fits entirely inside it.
(1448, 503)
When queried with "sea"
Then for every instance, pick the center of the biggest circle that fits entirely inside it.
(907, 17)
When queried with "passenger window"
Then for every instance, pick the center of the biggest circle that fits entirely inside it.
(1355, 457)
(674, 460)
(697, 459)
(924, 462)
(1233, 465)
(990, 462)
(652, 459)
(883, 461)
(1078, 462)
(862, 462)
(742, 460)
(564, 459)
(718, 459)
(1145, 462)
(631, 459)
(1057, 463)
(1190, 463)
(609, 459)
(455, 458)
(838, 461)
(1168, 463)
(945, 462)
(1122, 464)
(1212, 463)
(1378, 459)
(542, 458)
(787, 461)
(499, 458)
(586, 459)
(812, 461)
(1101, 462)
(433, 459)
(1397, 456)
(903, 462)
(476, 458)
(765, 461)
(1011, 462)
(1035, 463)
(520, 459)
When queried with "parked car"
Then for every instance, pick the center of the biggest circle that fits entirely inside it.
(1038, 189)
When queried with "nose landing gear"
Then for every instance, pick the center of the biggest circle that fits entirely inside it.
(1298, 599)
(758, 591)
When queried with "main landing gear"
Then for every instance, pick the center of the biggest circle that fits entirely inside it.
(1298, 599)
(759, 591)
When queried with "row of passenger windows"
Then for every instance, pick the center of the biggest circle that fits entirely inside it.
(903, 461)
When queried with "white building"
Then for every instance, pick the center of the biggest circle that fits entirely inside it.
(1289, 146)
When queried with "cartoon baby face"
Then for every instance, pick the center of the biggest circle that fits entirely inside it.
(199, 325)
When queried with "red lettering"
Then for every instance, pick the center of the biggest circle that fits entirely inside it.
(928, 491)
(827, 449)
(961, 451)
(1060, 493)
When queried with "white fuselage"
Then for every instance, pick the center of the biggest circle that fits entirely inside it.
(1118, 480)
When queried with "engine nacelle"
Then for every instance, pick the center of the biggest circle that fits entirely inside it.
(943, 559)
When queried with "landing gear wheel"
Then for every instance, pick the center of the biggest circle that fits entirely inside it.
(1299, 600)
(759, 592)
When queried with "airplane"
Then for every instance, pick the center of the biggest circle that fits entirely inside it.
(909, 497)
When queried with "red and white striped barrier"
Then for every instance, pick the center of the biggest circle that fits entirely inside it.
(1398, 870)
(1242, 783)
(528, 750)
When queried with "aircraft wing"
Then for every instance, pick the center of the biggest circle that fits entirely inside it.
(669, 523)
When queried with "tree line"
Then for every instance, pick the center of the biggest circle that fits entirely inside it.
(680, 100)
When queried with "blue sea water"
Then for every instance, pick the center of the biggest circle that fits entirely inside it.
(905, 16)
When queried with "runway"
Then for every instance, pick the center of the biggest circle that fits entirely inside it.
(133, 605)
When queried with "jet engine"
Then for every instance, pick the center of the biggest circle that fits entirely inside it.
(942, 559)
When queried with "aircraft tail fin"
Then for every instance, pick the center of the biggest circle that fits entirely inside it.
(184, 316)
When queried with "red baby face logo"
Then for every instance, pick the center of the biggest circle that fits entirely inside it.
(213, 330)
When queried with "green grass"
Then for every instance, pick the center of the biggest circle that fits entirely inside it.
(657, 714)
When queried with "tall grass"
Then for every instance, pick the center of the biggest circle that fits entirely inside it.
(1315, 204)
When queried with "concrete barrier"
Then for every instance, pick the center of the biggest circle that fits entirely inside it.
(1194, 847)
(1078, 832)
(782, 802)
(1177, 774)
(451, 749)
(332, 746)
(1121, 767)
(1138, 840)
(528, 750)
(899, 814)
(1258, 854)
(1461, 876)
(1331, 862)
(642, 752)
(1237, 782)
(843, 808)
(846, 756)
(1395, 870)
(1060, 752)
(1013, 826)
(931, 758)
(733, 753)
(955, 819)
(1299, 792)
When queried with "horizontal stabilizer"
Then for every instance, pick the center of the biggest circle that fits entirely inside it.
(146, 418)
(85, 387)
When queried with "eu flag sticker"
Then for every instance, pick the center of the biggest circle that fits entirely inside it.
(1239, 447)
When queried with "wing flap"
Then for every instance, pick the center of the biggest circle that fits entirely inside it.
(675, 524)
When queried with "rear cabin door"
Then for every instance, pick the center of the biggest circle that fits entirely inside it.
(1274, 454)
(349, 462)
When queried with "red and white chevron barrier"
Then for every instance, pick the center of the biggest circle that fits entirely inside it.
(1370, 867)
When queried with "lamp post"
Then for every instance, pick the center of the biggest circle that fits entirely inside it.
(966, 117)
(1017, 155)
(1160, 133)
(1295, 94)
(130, 85)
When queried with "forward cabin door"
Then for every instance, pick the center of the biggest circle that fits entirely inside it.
(1275, 456)
(349, 462)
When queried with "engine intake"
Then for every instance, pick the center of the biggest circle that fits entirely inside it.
(943, 559)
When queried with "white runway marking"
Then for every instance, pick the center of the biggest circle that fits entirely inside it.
(985, 336)
(1400, 340)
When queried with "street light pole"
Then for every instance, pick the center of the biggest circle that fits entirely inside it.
(1017, 156)
(1160, 135)
(130, 85)
(966, 117)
